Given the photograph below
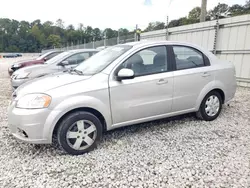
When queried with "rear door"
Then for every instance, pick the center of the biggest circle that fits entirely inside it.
(192, 73)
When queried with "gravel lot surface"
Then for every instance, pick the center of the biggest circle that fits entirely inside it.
(177, 152)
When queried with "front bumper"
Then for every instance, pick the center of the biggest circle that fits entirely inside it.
(15, 83)
(28, 125)
(10, 71)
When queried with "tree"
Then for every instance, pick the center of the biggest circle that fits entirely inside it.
(54, 41)
(237, 10)
(218, 10)
(195, 13)
(174, 23)
(97, 34)
(155, 26)
(110, 33)
(59, 23)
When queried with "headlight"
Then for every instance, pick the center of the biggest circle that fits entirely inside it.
(17, 65)
(34, 101)
(23, 75)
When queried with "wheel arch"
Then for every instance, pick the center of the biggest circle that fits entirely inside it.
(207, 89)
(86, 109)
(72, 104)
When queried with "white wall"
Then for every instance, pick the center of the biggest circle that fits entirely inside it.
(232, 41)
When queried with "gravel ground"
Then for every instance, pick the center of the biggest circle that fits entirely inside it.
(177, 152)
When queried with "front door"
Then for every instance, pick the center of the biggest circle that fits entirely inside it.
(147, 95)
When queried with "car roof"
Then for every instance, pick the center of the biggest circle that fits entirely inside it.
(83, 50)
(164, 42)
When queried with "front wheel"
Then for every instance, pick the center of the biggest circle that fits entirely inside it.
(210, 107)
(79, 133)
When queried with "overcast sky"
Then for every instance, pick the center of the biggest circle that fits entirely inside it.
(102, 13)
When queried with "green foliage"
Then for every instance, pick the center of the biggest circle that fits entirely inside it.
(155, 26)
(54, 40)
(195, 13)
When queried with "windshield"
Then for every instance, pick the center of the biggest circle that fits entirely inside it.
(43, 56)
(102, 59)
(58, 58)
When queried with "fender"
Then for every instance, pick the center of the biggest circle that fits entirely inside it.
(72, 103)
(209, 87)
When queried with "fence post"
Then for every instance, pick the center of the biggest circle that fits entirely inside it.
(93, 43)
(105, 37)
(136, 27)
(167, 29)
(118, 37)
(217, 27)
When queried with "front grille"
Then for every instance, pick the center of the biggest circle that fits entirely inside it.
(14, 94)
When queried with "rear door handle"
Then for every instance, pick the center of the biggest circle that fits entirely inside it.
(162, 81)
(205, 74)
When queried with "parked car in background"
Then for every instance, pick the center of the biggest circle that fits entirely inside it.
(61, 62)
(11, 55)
(102, 47)
(19, 55)
(121, 85)
(40, 60)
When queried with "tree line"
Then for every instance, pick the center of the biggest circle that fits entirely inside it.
(34, 36)
(194, 15)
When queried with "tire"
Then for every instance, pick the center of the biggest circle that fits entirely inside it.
(72, 133)
(204, 112)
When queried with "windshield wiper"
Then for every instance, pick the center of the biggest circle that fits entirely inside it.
(76, 71)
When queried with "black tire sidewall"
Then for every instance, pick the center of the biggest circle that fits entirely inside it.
(203, 105)
(68, 121)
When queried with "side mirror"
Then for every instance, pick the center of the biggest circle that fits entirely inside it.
(64, 63)
(125, 74)
(45, 59)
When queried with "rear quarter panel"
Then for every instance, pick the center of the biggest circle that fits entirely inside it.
(225, 78)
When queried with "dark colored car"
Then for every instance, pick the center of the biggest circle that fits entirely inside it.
(40, 60)
(12, 55)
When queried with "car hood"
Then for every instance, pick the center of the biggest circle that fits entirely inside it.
(27, 61)
(49, 82)
(33, 69)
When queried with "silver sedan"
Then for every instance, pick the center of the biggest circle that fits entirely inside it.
(120, 86)
(61, 62)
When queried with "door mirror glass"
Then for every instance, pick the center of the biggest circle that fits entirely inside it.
(64, 63)
(125, 73)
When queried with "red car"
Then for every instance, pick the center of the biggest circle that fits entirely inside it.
(40, 60)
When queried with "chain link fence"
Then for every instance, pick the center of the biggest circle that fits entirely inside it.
(96, 44)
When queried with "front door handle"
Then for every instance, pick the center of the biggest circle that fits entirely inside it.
(162, 81)
(205, 74)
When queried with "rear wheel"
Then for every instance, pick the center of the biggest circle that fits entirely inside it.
(79, 133)
(210, 107)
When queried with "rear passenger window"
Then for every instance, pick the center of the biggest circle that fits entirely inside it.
(187, 58)
(148, 61)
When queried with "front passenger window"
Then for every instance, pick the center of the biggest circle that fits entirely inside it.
(148, 61)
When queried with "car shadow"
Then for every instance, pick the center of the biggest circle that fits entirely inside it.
(34, 150)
